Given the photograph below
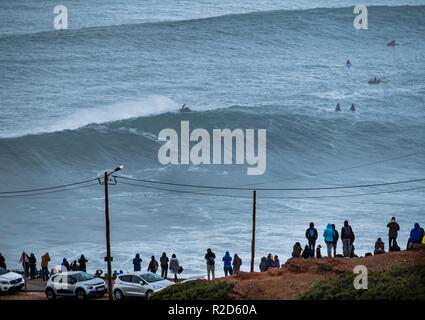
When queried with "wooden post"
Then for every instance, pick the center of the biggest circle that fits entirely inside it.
(254, 209)
(108, 240)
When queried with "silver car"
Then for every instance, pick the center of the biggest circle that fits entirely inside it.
(77, 284)
(138, 284)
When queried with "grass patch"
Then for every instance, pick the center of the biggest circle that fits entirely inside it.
(401, 283)
(196, 290)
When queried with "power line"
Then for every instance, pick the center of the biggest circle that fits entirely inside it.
(47, 192)
(274, 197)
(336, 170)
(272, 189)
(48, 188)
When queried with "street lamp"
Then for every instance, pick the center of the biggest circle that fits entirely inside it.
(108, 257)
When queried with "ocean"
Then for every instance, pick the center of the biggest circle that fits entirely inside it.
(77, 102)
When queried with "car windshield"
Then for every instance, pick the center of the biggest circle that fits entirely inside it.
(3, 271)
(82, 276)
(151, 277)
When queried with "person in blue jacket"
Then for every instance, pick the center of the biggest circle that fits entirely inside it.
(329, 234)
(416, 235)
(227, 259)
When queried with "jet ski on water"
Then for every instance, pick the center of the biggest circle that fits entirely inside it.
(185, 109)
(391, 43)
(375, 81)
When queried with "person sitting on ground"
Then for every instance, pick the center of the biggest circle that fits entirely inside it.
(227, 260)
(416, 235)
(270, 261)
(318, 252)
(393, 229)
(263, 264)
(306, 252)
(237, 262)
(153, 265)
(276, 262)
(137, 261)
(379, 247)
(296, 250)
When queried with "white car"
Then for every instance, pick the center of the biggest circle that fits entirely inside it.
(10, 281)
(77, 284)
(138, 284)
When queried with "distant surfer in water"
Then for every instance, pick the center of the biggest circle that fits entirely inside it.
(348, 63)
(338, 108)
(391, 43)
(353, 108)
(184, 108)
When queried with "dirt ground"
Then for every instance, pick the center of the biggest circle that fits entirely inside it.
(298, 275)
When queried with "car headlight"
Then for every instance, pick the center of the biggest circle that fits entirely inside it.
(4, 282)
(89, 286)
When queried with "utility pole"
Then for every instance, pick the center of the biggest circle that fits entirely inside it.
(108, 257)
(254, 213)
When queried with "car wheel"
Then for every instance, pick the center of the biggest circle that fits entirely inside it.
(148, 294)
(118, 295)
(50, 294)
(80, 294)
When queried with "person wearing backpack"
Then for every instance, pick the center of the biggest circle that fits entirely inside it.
(153, 265)
(311, 235)
(329, 235)
(227, 260)
(393, 228)
(164, 265)
(347, 237)
(336, 238)
(210, 258)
